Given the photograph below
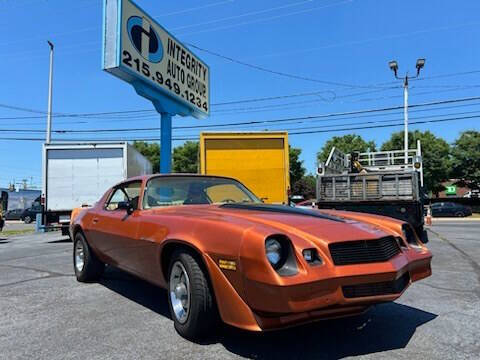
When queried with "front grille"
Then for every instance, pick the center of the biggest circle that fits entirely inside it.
(375, 289)
(364, 251)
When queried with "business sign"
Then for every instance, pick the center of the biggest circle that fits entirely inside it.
(451, 190)
(138, 49)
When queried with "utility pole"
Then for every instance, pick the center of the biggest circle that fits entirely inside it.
(405, 117)
(50, 85)
(394, 67)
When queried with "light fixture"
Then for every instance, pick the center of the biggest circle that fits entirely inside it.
(420, 64)
(393, 66)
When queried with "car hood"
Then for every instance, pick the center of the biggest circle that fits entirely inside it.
(283, 219)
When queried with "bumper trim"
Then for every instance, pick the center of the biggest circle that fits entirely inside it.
(377, 288)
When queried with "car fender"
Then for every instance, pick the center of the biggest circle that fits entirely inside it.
(232, 308)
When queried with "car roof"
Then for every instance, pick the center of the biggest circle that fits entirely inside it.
(151, 176)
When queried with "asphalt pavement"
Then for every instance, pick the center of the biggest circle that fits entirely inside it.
(46, 314)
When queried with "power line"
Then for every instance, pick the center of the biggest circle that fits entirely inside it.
(291, 133)
(292, 129)
(385, 126)
(292, 76)
(243, 15)
(329, 115)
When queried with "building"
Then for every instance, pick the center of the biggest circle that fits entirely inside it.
(452, 190)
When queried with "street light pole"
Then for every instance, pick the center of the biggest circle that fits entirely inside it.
(405, 117)
(50, 85)
(394, 67)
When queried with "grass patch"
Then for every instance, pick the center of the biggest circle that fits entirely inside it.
(7, 233)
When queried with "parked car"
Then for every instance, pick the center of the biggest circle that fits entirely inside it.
(222, 253)
(30, 214)
(445, 209)
(472, 194)
(307, 203)
(15, 214)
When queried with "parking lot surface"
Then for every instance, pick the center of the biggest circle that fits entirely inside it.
(46, 314)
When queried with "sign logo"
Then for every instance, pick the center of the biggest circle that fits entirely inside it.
(451, 190)
(145, 39)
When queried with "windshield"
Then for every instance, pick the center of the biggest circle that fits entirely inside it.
(195, 190)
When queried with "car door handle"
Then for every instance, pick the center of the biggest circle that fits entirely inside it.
(95, 220)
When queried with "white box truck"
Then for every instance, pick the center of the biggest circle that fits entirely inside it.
(78, 174)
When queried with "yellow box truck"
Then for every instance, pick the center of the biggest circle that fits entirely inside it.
(257, 159)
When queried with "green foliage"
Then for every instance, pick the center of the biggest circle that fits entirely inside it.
(297, 171)
(346, 144)
(306, 186)
(435, 154)
(185, 158)
(151, 151)
(466, 159)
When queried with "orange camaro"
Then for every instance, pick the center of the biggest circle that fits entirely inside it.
(221, 253)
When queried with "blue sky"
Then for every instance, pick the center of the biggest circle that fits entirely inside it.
(348, 42)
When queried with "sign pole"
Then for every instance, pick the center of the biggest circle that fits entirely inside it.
(138, 50)
(50, 85)
(165, 143)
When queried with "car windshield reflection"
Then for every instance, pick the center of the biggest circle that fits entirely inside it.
(192, 190)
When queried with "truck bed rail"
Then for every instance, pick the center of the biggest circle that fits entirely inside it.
(371, 186)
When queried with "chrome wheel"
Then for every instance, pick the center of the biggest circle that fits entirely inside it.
(180, 292)
(79, 256)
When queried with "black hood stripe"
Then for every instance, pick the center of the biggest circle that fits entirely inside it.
(281, 209)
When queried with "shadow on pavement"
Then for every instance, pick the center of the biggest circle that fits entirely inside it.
(142, 292)
(61, 241)
(385, 327)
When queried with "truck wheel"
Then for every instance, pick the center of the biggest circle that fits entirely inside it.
(459, 214)
(65, 232)
(86, 265)
(27, 219)
(190, 299)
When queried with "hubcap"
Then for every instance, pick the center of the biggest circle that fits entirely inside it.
(79, 256)
(180, 292)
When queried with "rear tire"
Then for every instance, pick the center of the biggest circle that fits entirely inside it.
(27, 219)
(86, 265)
(190, 298)
(459, 214)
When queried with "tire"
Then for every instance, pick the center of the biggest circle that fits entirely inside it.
(201, 316)
(27, 219)
(91, 269)
(459, 214)
(65, 232)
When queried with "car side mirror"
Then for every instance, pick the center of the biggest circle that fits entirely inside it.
(125, 205)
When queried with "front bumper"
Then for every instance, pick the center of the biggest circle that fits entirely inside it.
(348, 290)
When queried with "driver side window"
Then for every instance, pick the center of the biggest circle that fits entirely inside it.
(127, 192)
(118, 196)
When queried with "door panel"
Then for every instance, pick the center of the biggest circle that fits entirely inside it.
(115, 231)
(116, 236)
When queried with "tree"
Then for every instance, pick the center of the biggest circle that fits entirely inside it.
(151, 151)
(435, 155)
(306, 186)
(185, 158)
(346, 144)
(297, 171)
(466, 159)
